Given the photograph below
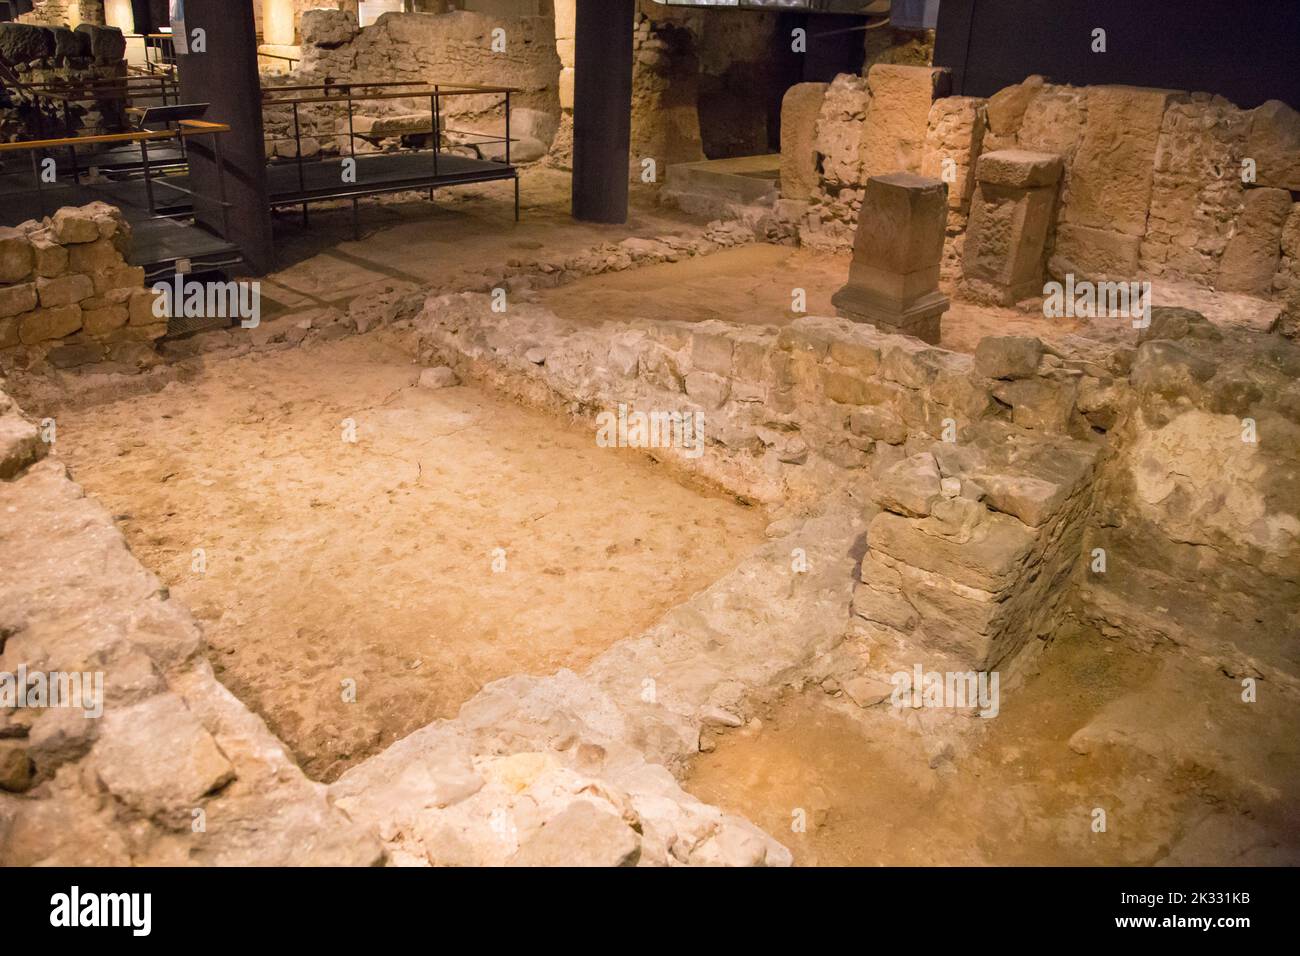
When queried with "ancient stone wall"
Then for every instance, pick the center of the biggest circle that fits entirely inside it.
(67, 295)
(1159, 185)
(53, 13)
(66, 61)
(1198, 508)
(427, 48)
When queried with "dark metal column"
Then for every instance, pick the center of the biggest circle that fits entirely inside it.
(226, 77)
(602, 109)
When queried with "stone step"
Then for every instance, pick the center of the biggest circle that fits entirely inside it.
(744, 180)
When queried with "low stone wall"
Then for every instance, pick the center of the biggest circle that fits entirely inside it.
(67, 295)
(172, 770)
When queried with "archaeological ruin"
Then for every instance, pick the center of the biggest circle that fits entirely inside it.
(441, 433)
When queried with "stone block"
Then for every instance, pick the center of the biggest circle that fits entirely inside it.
(64, 290)
(1095, 254)
(1020, 168)
(1008, 356)
(1006, 107)
(17, 257)
(1255, 249)
(800, 172)
(841, 126)
(1011, 216)
(898, 116)
(1111, 174)
(101, 321)
(72, 225)
(16, 299)
(1274, 145)
(51, 257)
(52, 323)
(953, 139)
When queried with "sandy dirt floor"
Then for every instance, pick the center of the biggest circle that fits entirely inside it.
(373, 561)
(1022, 796)
(405, 238)
(755, 284)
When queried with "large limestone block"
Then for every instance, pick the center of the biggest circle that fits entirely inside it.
(16, 255)
(327, 28)
(988, 559)
(1006, 107)
(1252, 256)
(841, 126)
(894, 278)
(898, 116)
(1274, 145)
(1053, 120)
(800, 174)
(953, 139)
(1111, 175)
(1095, 254)
(1019, 168)
(1196, 190)
(1011, 215)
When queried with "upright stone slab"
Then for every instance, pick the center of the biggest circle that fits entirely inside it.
(901, 96)
(800, 108)
(894, 279)
(1011, 214)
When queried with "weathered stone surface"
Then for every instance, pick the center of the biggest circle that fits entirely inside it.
(72, 225)
(107, 44)
(16, 255)
(1253, 253)
(1019, 168)
(1008, 356)
(954, 137)
(1095, 254)
(1011, 215)
(894, 278)
(327, 28)
(840, 129)
(158, 760)
(800, 109)
(16, 299)
(1006, 107)
(897, 117)
(581, 835)
(1274, 145)
(1111, 174)
(54, 323)
(65, 290)
(1196, 190)
(23, 43)
(438, 378)
(909, 487)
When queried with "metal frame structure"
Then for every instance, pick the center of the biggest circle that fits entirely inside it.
(348, 94)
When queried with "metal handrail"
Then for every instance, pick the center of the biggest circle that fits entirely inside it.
(185, 129)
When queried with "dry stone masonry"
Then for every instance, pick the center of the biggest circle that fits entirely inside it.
(67, 295)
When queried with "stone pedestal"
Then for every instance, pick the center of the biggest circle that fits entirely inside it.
(894, 279)
(1011, 215)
